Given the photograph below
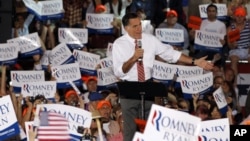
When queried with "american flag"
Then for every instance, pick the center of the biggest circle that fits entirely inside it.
(53, 127)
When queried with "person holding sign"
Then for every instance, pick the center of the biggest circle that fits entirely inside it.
(171, 22)
(212, 25)
(128, 55)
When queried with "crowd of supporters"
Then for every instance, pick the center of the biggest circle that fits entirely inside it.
(173, 14)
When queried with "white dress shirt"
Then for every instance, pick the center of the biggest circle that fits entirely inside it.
(124, 48)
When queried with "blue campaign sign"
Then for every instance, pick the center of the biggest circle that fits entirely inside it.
(9, 126)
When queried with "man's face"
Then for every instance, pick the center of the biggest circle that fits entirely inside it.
(171, 20)
(134, 28)
(105, 111)
(92, 86)
(240, 19)
(211, 13)
(72, 100)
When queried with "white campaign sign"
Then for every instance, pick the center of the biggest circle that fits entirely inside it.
(221, 10)
(18, 77)
(196, 84)
(45, 10)
(163, 71)
(67, 73)
(86, 60)
(45, 88)
(106, 62)
(106, 76)
(218, 127)
(171, 36)
(170, 124)
(8, 121)
(75, 116)
(28, 44)
(61, 54)
(99, 21)
(8, 53)
(73, 35)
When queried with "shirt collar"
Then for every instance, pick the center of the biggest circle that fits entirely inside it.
(130, 39)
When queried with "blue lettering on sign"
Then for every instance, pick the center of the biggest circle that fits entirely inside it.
(93, 20)
(168, 33)
(70, 116)
(26, 77)
(180, 126)
(60, 72)
(181, 72)
(70, 34)
(189, 84)
(202, 36)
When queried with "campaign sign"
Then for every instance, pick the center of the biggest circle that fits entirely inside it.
(109, 49)
(138, 136)
(106, 77)
(186, 71)
(45, 59)
(167, 124)
(75, 116)
(18, 77)
(99, 23)
(45, 88)
(67, 73)
(45, 10)
(29, 45)
(220, 100)
(8, 53)
(243, 85)
(215, 130)
(221, 11)
(22, 134)
(60, 55)
(174, 37)
(208, 41)
(28, 125)
(106, 62)
(9, 126)
(87, 61)
(196, 84)
(163, 72)
(75, 38)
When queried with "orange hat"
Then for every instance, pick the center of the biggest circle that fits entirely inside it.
(70, 92)
(100, 8)
(86, 78)
(172, 12)
(240, 11)
(91, 78)
(101, 103)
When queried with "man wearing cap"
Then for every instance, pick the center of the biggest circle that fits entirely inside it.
(171, 22)
(91, 86)
(239, 49)
(110, 126)
(71, 98)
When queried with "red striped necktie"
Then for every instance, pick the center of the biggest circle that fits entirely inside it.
(140, 67)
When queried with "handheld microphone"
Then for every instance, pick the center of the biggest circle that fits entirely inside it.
(139, 46)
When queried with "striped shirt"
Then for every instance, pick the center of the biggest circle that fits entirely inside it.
(243, 42)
